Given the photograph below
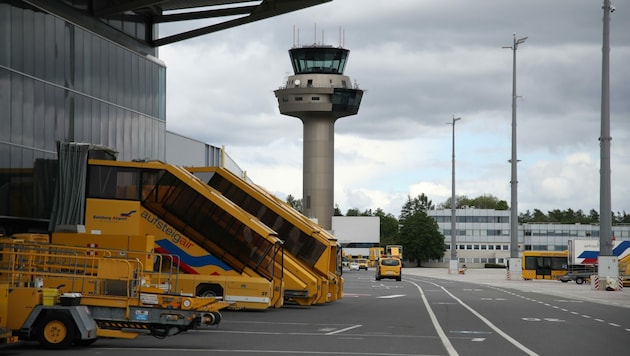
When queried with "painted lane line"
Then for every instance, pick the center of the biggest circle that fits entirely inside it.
(613, 324)
(492, 326)
(343, 330)
(436, 324)
(391, 296)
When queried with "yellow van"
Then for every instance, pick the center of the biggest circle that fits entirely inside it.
(363, 263)
(388, 267)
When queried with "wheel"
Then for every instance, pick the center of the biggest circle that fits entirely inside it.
(86, 342)
(211, 291)
(398, 278)
(579, 280)
(56, 331)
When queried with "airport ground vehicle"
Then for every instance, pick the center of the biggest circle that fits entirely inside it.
(586, 252)
(544, 264)
(213, 237)
(113, 298)
(394, 251)
(6, 336)
(375, 254)
(388, 267)
(309, 250)
(578, 273)
(363, 263)
(196, 223)
(354, 265)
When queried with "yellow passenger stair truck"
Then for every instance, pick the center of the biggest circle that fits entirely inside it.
(309, 249)
(108, 296)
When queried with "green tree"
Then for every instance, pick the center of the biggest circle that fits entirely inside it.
(485, 201)
(502, 205)
(295, 203)
(337, 211)
(525, 217)
(421, 238)
(389, 228)
(352, 212)
(419, 203)
(539, 216)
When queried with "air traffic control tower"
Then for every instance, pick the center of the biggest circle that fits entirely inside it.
(318, 94)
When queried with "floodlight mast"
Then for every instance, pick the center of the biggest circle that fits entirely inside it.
(513, 160)
(453, 199)
(605, 210)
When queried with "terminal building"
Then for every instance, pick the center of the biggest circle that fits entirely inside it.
(89, 71)
(483, 235)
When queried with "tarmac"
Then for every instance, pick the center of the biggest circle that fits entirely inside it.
(499, 278)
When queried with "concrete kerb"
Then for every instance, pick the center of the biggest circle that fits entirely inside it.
(498, 278)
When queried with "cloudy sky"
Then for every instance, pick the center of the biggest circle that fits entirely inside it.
(421, 63)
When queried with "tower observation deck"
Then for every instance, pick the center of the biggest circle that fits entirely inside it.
(318, 93)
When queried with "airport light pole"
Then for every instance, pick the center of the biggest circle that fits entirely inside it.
(513, 160)
(453, 199)
(605, 218)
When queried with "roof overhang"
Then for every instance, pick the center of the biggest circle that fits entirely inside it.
(239, 11)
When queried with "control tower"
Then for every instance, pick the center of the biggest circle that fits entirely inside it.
(318, 94)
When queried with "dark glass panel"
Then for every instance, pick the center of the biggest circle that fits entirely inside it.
(5, 35)
(60, 53)
(112, 75)
(5, 105)
(133, 146)
(95, 68)
(48, 45)
(142, 135)
(120, 76)
(38, 113)
(39, 47)
(16, 46)
(135, 78)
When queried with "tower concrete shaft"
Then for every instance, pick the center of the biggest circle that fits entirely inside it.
(318, 94)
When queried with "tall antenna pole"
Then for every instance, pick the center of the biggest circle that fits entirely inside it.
(513, 160)
(453, 198)
(605, 216)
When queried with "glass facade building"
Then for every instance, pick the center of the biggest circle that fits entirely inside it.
(66, 76)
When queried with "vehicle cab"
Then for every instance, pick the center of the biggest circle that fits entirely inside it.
(363, 263)
(388, 267)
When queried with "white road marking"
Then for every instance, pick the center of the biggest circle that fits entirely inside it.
(436, 324)
(391, 296)
(492, 326)
(344, 330)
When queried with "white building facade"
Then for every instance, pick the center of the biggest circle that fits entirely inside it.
(483, 235)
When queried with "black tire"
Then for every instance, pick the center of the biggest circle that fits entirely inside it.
(210, 292)
(56, 331)
(579, 280)
(86, 342)
(398, 279)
